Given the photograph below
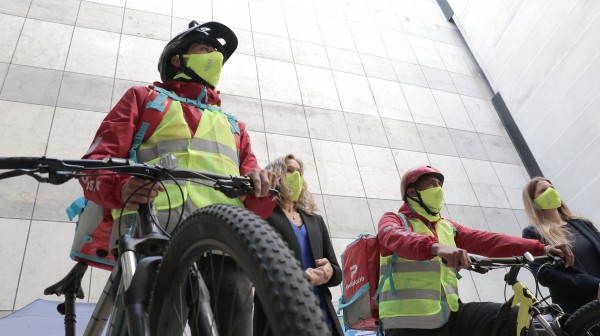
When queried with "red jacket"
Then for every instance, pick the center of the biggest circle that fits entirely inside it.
(118, 128)
(394, 238)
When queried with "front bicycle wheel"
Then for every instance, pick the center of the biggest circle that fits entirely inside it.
(585, 321)
(241, 260)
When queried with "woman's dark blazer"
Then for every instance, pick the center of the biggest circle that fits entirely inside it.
(570, 287)
(321, 247)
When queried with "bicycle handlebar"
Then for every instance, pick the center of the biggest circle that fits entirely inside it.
(483, 264)
(60, 171)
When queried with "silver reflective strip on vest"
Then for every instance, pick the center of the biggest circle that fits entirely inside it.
(408, 294)
(418, 322)
(431, 266)
(450, 290)
(213, 147)
(162, 147)
(188, 209)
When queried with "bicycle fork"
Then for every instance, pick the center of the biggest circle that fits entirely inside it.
(528, 310)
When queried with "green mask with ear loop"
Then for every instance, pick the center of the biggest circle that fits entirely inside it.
(549, 199)
(294, 182)
(433, 199)
(207, 66)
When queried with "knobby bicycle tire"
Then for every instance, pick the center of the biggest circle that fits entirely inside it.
(585, 319)
(289, 303)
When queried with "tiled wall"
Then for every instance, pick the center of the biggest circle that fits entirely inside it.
(360, 90)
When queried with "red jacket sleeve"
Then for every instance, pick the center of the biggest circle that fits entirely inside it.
(495, 245)
(113, 138)
(394, 238)
(247, 159)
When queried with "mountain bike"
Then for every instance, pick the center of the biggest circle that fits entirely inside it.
(550, 318)
(169, 284)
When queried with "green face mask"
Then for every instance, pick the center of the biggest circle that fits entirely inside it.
(549, 199)
(433, 198)
(207, 66)
(294, 182)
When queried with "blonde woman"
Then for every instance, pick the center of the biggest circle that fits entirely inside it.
(553, 223)
(306, 234)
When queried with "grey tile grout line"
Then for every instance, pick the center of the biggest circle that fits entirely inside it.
(45, 150)
(112, 93)
(10, 60)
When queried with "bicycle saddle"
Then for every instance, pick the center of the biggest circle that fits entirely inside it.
(72, 281)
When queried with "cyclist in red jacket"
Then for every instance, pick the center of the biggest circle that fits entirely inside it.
(425, 251)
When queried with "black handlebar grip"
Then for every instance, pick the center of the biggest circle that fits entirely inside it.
(19, 162)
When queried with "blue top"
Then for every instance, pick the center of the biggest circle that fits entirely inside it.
(308, 261)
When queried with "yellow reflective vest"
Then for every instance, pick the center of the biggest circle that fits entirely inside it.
(211, 148)
(418, 294)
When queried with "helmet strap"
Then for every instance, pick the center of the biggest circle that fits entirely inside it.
(194, 76)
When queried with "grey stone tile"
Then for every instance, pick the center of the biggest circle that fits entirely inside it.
(378, 67)
(358, 12)
(50, 203)
(245, 42)
(436, 140)
(68, 141)
(512, 180)
(278, 81)
(326, 124)
(502, 221)
(239, 77)
(248, 110)
(338, 171)
(268, 18)
(119, 3)
(403, 135)
(20, 204)
(453, 110)
(259, 147)
(133, 67)
(348, 216)
(466, 288)
(99, 277)
(397, 46)
(438, 79)
(406, 160)
(336, 32)
(499, 149)
(309, 54)
(453, 58)
(43, 44)
(284, 119)
(9, 35)
(409, 73)
(521, 218)
(43, 237)
(330, 8)
(3, 71)
(480, 172)
(457, 188)
(468, 145)
(31, 85)
(30, 130)
(390, 99)
(483, 115)
(158, 7)
(13, 235)
(415, 28)
(146, 24)
(320, 207)
(426, 53)
(99, 16)
(302, 24)
(345, 60)
(85, 92)
(491, 196)
(15, 7)
(353, 93)
(235, 13)
(366, 130)
(302, 148)
(367, 40)
(274, 47)
(193, 10)
(387, 19)
(487, 285)
(466, 85)
(469, 216)
(318, 88)
(380, 206)
(460, 193)
(4, 313)
(105, 46)
(378, 172)
(62, 11)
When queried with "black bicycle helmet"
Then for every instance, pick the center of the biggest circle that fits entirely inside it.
(217, 34)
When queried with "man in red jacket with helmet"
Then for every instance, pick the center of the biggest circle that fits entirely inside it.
(186, 122)
(418, 242)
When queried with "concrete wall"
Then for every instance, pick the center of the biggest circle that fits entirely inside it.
(543, 58)
(360, 90)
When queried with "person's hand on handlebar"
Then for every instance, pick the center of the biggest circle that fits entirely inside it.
(136, 191)
(456, 258)
(263, 181)
(563, 251)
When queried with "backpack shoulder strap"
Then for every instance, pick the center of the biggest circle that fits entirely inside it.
(156, 103)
